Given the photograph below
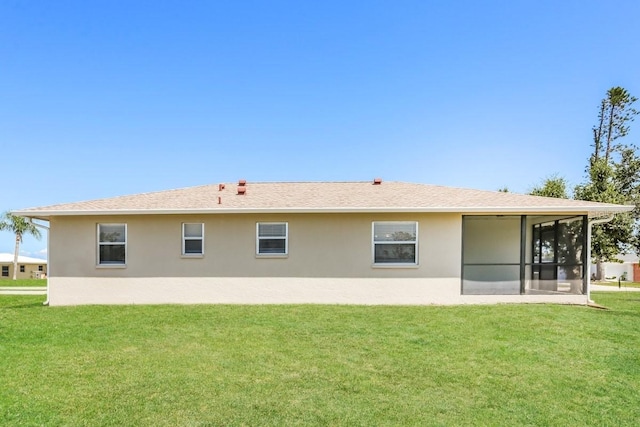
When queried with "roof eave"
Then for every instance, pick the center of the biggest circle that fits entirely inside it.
(522, 210)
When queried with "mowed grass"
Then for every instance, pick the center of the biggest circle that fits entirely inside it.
(22, 282)
(320, 365)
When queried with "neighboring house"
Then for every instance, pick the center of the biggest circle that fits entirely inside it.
(628, 269)
(320, 242)
(28, 268)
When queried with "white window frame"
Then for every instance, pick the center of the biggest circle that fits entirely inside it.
(185, 238)
(285, 238)
(392, 242)
(99, 243)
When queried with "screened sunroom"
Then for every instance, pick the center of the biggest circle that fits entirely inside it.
(523, 254)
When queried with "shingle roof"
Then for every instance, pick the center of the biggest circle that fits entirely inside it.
(6, 258)
(323, 197)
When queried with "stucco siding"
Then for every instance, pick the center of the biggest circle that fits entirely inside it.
(250, 290)
(320, 245)
(329, 261)
(270, 290)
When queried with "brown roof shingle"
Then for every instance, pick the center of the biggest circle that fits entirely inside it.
(323, 196)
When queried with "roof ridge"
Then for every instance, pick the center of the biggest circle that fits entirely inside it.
(310, 182)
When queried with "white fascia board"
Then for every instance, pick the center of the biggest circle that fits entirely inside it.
(579, 210)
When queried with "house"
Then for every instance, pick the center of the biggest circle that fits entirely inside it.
(627, 269)
(28, 268)
(320, 242)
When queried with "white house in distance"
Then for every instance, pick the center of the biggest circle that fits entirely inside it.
(369, 242)
(627, 269)
(28, 268)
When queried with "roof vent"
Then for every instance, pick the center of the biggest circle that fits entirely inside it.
(220, 187)
(377, 181)
(242, 190)
(242, 182)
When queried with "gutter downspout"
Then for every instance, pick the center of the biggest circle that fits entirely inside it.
(591, 222)
(48, 264)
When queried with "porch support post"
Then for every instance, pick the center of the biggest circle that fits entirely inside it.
(588, 266)
(462, 258)
(586, 254)
(523, 251)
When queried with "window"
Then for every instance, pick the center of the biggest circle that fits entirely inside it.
(112, 244)
(22, 269)
(41, 268)
(395, 243)
(192, 239)
(5, 271)
(272, 238)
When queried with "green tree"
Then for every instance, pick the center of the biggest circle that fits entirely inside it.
(553, 186)
(615, 113)
(19, 226)
(613, 176)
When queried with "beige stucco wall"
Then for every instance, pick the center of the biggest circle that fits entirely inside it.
(28, 269)
(276, 290)
(329, 245)
(324, 251)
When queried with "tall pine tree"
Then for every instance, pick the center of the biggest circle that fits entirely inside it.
(613, 176)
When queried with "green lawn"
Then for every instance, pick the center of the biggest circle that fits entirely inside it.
(320, 365)
(22, 282)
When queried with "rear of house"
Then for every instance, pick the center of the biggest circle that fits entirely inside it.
(343, 243)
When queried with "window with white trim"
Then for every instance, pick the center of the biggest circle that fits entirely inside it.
(112, 244)
(395, 243)
(272, 238)
(192, 239)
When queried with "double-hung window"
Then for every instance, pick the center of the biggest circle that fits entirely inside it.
(395, 243)
(5, 271)
(112, 244)
(271, 238)
(193, 239)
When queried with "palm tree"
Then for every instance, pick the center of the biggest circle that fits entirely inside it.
(19, 226)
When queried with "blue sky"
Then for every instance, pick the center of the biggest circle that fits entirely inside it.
(104, 98)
